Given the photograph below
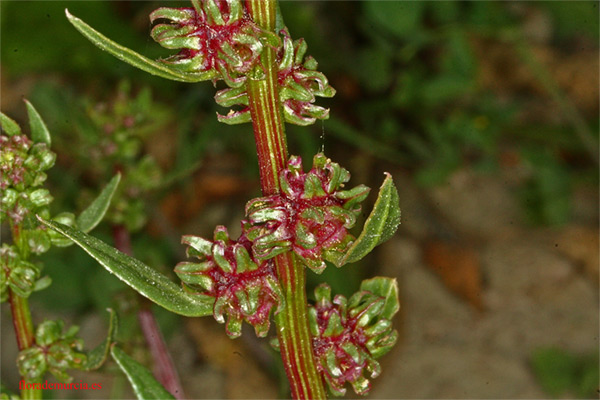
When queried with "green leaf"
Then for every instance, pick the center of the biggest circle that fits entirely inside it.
(91, 216)
(98, 356)
(386, 288)
(143, 383)
(137, 60)
(39, 130)
(9, 125)
(381, 224)
(142, 278)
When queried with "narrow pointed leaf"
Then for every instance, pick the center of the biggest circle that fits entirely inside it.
(137, 60)
(381, 224)
(142, 278)
(143, 383)
(91, 216)
(386, 288)
(98, 356)
(39, 130)
(9, 125)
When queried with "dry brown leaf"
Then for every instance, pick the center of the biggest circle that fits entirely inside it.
(458, 267)
(580, 244)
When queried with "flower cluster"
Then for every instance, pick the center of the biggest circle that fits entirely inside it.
(244, 288)
(122, 126)
(311, 216)
(21, 276)
(22, 166)
(299, 83)
(216, 38)
(22, 163)
(54, 351)
(349, 334)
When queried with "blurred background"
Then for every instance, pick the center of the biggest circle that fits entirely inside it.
(485, 113)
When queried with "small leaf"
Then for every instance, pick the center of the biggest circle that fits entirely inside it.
(98, 356)
(42, 283)
(386, 288)
(235, 117)
(9, 125)
(381, 224)
(143, 383)
(39, 130)
(145, 280)
(137, 60)
(91, 216)
(179, 15)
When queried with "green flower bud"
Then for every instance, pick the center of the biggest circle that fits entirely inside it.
(32, 162)
(32, 363)
(37, 240)
(22, 278)
(42, 283)
(44, 156)
(9, 198)
(53, 351)
(48, 332)
(63, 355)
(8, 259)
(65, 218)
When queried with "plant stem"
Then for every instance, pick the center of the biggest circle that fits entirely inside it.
(265, 109)
(23, 325)
(269, 133)
(22, 321)
(292, 330)
(164, 369)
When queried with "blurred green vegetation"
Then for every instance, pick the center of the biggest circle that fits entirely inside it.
(412, 94)
(412, 89)
(562, 373)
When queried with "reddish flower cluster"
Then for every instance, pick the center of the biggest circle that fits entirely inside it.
(14, 149)
(215, 37)
(348, 336)
(311, 216)
(22, 162)
(22, 166)
(243, 288)
(300, 82)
